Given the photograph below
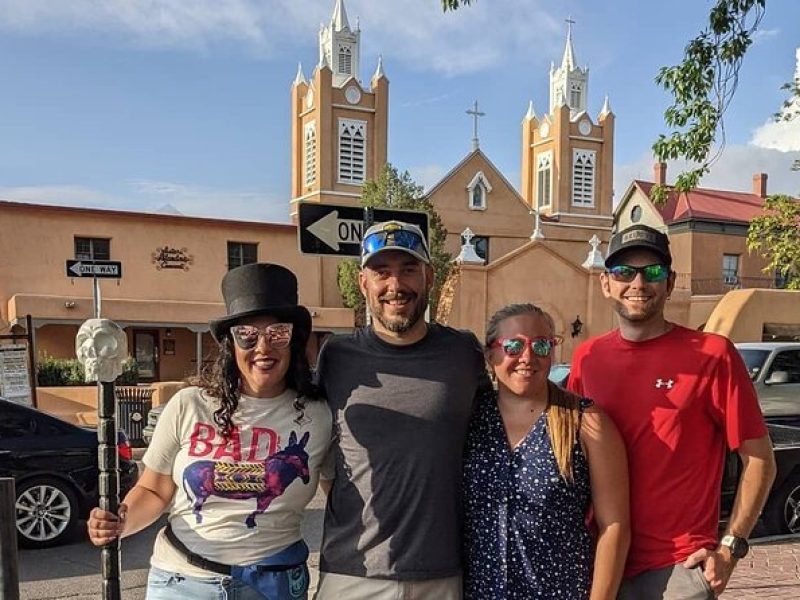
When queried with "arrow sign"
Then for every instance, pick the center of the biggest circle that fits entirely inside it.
(110, 269)
(330, 229)
(333, 231)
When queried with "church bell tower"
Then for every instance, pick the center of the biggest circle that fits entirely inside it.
(339, 125)
(567, 157)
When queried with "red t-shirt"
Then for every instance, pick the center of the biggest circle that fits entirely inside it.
(677, 400)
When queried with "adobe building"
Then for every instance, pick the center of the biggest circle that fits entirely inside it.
(172, 267)
(542, 244)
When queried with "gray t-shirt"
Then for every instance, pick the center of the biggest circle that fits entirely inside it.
(400, 415)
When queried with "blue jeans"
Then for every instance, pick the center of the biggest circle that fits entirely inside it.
(164, 585)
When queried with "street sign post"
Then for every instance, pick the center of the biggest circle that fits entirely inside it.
(110, 269)
(334, 230)
(96, 269)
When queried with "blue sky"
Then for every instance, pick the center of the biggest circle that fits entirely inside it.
(142, 104)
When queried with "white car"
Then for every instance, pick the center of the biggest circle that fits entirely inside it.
(774, 368)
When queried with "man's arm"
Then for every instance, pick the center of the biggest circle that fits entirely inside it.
(758, 473)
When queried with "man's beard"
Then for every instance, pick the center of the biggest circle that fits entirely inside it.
(638, 317)
(399, 324)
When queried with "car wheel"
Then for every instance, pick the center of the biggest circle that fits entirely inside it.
(47, 512)
(782, 512)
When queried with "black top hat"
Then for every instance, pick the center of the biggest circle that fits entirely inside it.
(639, 236)
(261, 289)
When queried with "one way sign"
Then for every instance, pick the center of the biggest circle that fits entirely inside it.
(110, 269)
(337, 230)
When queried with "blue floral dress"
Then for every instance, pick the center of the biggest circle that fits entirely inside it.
(525, 531)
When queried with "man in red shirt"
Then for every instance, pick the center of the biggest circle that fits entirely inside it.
(679, 397)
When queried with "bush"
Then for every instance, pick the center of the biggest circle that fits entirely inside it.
(57, 372)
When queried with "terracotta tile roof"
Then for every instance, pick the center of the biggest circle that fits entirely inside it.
(700, 203)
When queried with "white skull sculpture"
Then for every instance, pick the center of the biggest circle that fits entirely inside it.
(101, 347)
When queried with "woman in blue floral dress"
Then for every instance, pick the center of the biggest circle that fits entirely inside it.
(537, 458)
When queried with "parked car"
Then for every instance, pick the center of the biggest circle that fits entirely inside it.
(774, 368)
(781, 513)
(559, 373)
(54, 467)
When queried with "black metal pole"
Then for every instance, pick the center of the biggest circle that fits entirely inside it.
(31, 357)
(108, 463)
(9, 573)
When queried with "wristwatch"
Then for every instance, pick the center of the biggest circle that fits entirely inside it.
(737, 545)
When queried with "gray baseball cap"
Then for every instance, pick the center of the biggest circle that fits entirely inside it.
(639, 236)
(394, 235)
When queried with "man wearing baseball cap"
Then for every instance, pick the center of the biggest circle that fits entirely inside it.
(401, 391)
(679, 397)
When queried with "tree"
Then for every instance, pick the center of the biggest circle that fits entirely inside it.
(454, 4)
(703, 86)
(776, 235)
(393, 189)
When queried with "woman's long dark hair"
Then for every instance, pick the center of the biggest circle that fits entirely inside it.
(222, 379)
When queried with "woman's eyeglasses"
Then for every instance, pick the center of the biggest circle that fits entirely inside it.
(541, 346)
(627, 273)
(278, 335)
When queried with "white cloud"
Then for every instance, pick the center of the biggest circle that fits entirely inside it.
(782, 135)
(427, 175)
(733, 171)
(202, 201)
(61, 195)
(414, 32)
(161, 197)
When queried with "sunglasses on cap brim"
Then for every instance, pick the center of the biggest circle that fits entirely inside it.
(398, 238)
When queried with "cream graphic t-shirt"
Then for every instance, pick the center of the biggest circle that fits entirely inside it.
(241, 499)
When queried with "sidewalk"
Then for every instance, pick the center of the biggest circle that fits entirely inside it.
(770, 570)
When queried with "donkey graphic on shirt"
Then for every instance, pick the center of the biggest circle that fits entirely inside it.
(263, 481)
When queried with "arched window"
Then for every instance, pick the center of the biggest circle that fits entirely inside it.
(477, 192)
(544, 179)
(345, 60)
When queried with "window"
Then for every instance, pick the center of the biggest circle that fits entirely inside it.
(787, 361)
(574, 95)
(310, 137)
(16, 423)
(477, 191)
(780, 280)
(583, 162)
(352, 150)
(481, 244)
(477, 199)
(241, 253)
(544, 179)
(345, 60)
(730, 269)
(92, 248)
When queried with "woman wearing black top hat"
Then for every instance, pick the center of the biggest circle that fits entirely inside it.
(235, 458)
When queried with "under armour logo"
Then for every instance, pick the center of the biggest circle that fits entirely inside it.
(667, 383)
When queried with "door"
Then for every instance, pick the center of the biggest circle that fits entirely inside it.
(145, 351)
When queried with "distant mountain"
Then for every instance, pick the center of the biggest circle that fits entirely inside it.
(168, 209)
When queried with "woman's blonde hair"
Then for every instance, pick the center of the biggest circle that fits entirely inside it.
(563, 408)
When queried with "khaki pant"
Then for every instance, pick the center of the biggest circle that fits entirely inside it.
(333, 586)
(670, 583)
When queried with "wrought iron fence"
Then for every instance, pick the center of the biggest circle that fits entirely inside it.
(721, 285)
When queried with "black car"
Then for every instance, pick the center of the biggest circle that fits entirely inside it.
(781, 513)
(54, 466)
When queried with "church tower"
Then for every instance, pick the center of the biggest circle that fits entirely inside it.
(339, 126)
(567, 158)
